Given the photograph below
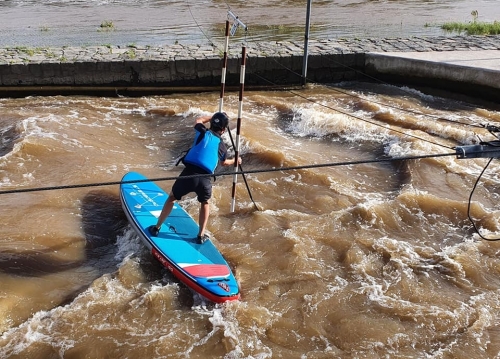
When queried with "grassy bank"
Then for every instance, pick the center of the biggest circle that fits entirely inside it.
(473, 28)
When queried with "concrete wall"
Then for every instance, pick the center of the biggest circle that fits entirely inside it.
(260, 71)
(137, 71)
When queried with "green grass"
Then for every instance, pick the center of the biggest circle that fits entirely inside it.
(473, 28)
(27, 50)
(106, 25)
(131, 54)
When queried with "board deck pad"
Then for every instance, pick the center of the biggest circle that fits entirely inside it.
(200, 266)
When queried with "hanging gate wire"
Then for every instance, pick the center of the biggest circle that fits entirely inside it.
(469, 207)
(491, 150)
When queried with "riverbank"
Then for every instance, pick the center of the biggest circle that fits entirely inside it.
(133, 70)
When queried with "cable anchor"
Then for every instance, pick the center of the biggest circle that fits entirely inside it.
(484, 150)
(236, 23)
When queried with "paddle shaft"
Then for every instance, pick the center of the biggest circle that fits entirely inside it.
(244, 177)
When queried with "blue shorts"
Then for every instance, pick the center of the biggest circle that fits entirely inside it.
(202, 186)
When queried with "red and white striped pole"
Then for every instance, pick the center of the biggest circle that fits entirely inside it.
(224, 67)
(238, 126)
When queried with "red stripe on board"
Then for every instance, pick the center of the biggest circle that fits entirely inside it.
(207, 270)
(186, 280)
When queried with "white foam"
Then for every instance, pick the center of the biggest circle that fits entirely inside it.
(418, 93)
(33, 331)
(128, 244)
(311, 121)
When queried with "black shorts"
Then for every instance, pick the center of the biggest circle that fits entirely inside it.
(202, 186)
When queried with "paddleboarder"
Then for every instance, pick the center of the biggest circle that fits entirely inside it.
(207, 152)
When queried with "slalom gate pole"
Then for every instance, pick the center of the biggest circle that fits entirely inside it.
(224, 67)
(238, 126)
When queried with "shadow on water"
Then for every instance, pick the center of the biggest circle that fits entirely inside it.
(8, 137)
(103, 220)
(34, 263)
(399, 170)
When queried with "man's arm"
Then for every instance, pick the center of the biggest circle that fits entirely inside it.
(203, 119)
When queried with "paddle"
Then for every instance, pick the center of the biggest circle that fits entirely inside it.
(243, 175)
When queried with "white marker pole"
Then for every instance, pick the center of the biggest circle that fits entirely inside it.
(224, 67)
(238, 126)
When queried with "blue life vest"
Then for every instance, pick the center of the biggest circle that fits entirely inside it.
(205, 151)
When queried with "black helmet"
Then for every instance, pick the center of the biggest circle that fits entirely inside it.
(219, 121)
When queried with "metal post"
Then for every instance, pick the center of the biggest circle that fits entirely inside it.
(306, 43)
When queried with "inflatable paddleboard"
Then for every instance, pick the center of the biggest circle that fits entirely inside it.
(199, 266)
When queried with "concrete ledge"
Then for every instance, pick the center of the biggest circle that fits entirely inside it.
(106, 68)
(475, 73)
(182, 72)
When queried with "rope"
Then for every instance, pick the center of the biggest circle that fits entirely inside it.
(200, 28)
(160, 179)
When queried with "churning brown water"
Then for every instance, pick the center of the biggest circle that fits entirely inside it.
(354, 261)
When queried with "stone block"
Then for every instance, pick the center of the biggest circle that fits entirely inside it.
(14, 80)
(63, 81)
(19, 69)
(184, 67)
(315, 62)
(208, 64)
(85, 73)
(35, 71)
(163, 75)
(68, 69)
(233, 65)
(205, 75)
(49, 70)
(297, 63)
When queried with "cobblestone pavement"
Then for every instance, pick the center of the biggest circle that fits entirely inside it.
(20, 55)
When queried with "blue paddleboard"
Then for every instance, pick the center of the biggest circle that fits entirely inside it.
(200, 266)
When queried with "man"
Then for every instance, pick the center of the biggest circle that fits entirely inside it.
(203, 157)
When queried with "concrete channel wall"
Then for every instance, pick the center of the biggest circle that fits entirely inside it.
(141, 70)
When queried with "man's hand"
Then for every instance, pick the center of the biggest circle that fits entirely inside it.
(229, 162)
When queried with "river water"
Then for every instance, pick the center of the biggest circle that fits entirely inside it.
(158, 22)
(346, 261)
(352, 260)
